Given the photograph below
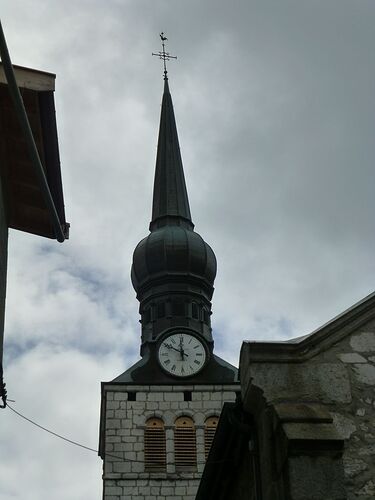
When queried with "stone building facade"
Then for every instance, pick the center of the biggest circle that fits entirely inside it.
(321, 392)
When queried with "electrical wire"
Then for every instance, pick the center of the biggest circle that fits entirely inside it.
(71, 441)
(49, 431)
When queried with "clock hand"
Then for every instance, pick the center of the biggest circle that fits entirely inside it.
(169, 346)
(181, 351)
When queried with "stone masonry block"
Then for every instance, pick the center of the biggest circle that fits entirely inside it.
(113, 439)
(120, 414)
(174, 396)
(152, 405)
(363, 342)
(124, 447)
(113, 405)
(121, 396)
(144, 490)
(352, 357)
(216, 396)
(113, 423)
(180, 490)
(327, 382)
(121, 467)
(365, 373)
(126, 424)
(129, 490)
(155, 396)
(164, 406)
(137, 467)
(166, 490)
(135, 405)
(113, 490)
(229, 396)
(213, 405)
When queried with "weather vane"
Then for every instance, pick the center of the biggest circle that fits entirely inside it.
(165, 56)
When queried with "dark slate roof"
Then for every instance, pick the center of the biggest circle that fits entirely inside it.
(170, 194)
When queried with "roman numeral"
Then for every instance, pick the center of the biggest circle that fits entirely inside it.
(173, 368)
(197, 362)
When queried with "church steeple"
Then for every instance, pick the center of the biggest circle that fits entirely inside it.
(173, 268)
(170, 201)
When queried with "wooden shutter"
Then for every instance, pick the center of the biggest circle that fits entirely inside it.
(209, 433)
(185, 448)
(155, 452)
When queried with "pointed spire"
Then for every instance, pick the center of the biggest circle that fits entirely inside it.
(170, 201)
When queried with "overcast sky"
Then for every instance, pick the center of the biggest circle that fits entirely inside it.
(275, 108)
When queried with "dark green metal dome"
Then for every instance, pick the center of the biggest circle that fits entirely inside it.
(170, 252)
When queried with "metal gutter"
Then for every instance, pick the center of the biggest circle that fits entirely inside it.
(25, 126)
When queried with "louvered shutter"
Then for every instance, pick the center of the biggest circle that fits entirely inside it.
(185, 448)
(155, 451)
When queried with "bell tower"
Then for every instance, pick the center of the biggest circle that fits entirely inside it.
(158, 418)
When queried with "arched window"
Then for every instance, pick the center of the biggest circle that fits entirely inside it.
(155, 452)
(185, 447)
(209, 433)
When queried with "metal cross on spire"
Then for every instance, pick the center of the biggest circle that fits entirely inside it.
(165, 56)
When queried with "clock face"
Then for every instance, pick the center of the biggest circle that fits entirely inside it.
(182, 354)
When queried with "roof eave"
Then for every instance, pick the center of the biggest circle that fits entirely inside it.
(299, 350)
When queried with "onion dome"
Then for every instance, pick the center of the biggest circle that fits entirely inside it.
(172, 251)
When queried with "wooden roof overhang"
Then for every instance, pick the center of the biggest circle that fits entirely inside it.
(25, 207)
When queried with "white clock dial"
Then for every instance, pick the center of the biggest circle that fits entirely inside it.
(182, 354)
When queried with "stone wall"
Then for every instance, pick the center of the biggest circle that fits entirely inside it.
(354, 418)
(309, 402)
(124, 475)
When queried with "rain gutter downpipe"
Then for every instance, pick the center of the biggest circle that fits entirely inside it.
(28, 135)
